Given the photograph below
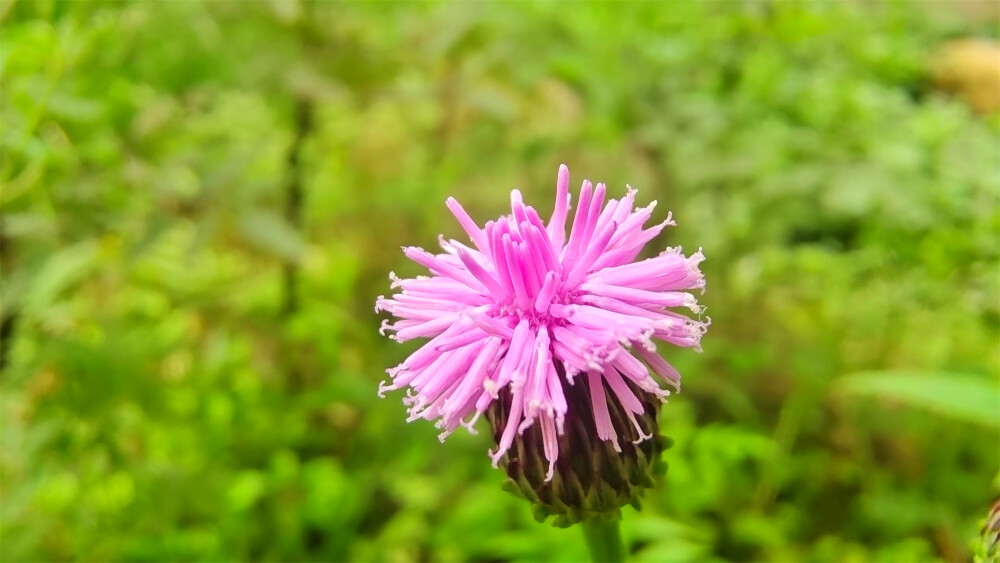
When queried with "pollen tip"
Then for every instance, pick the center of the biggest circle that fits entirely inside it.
(470, 424)
(490, 387)
(642, 438)
(517, 379)
(525, 424)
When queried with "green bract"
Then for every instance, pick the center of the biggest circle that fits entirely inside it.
(591, 479)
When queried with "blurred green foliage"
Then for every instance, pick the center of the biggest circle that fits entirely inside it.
(201, 201)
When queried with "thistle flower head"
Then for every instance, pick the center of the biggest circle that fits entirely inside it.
(530, 311)
(986, 548)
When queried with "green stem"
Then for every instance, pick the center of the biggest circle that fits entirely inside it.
(604, 540)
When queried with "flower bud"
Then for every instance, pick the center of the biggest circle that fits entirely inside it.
(591, 478)
(987, 547)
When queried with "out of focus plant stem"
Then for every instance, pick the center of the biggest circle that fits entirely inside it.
(294, 195)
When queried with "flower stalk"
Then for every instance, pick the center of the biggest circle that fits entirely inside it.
(604, 540)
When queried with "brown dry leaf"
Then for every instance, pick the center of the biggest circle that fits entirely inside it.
(970, 69)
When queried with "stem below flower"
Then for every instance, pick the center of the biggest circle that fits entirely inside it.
(604, 540)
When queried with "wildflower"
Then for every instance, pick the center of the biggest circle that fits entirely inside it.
(987, 546)
(553, 336)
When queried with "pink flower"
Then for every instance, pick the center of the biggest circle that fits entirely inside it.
(528, 308)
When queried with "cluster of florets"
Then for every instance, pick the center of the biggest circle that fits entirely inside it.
(528, 309)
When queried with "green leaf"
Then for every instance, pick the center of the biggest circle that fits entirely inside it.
(246, 488)
(965, 397)
(269, 231)
(60, 272)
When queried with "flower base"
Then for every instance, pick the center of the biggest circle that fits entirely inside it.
(591, 480)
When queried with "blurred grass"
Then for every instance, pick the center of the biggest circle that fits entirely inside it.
(190, 353)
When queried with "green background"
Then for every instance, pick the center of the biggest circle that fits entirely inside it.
(201, 201)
